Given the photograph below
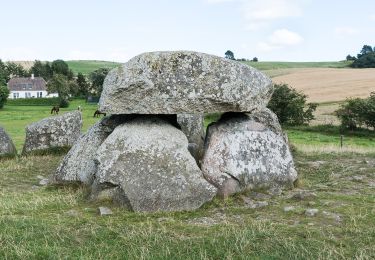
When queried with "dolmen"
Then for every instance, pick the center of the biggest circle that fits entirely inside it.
(152, 152)
(7, 148)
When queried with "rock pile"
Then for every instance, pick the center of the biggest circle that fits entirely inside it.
(147, 154)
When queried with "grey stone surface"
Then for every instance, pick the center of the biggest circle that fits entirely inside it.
(78, 165)
(56, 131)
(192, 125)
(183, 82)
(249, 149)
(7, 147)
(311, 212)
(104, 211)
(147, 161)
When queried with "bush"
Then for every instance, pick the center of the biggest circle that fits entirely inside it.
(63, 103)
(290, 106)
(34, 102)
(4, 93)
(357, 112)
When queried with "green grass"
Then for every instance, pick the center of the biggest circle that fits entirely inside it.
(36, 223)
(87, 66)
(272, 65)
(15, 118)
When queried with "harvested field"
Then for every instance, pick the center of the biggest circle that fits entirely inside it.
(329, 84)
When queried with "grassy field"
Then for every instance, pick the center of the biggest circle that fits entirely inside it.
(87, 66)
(60, 223)
(15, 118)
(276, 65)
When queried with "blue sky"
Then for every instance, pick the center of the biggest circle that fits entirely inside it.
(272, 30)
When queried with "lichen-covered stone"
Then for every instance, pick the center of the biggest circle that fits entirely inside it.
(249, 150)
(7, 147)
(78, 165)
(192, 125)
(52, 132)
(147, 161)
(183, 82)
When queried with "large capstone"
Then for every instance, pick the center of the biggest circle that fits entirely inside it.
(53, 132)
(183, 82)
(147, 161)
(7, 147)
(247, 151)
(192, 125)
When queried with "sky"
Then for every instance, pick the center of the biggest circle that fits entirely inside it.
(114, 30)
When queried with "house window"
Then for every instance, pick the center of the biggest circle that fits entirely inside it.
(39, 94)
(29, 86)
(27, 94)
(16, 95)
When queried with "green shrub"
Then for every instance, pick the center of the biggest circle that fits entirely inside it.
(4, 93)
(63, 103)
(357, 112)
(34, 102)
(290, 106)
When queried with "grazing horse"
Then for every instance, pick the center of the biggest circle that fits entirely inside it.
(55, 110)
(98, 113)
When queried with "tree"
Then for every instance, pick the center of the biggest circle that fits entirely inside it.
(290, 106)
(60, 84)
(61, 67)
(4, 93)
(350, 58)
(43, 70)
(15, 70)
(97, 79)
(366, 49)
(255, 59)
(82, 85)
(229, 55)
(3, 74)
(365, 61)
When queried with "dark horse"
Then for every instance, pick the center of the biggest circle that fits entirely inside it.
(55, 110)
(98, 113)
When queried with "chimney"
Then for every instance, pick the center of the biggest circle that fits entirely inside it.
(32, 76)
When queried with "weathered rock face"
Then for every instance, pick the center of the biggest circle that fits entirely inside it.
(148, 162)
(56, 131)
(183, 82)
(247, 151)
(192, 125)
(7, 147)
(78, 165)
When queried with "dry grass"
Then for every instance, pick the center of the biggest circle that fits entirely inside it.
(328, 84)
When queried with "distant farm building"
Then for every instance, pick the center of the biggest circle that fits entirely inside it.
(33, 87)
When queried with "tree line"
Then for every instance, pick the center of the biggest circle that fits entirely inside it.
(365, 58)
(59, 77)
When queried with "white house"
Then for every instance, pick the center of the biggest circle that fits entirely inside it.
(33, 87)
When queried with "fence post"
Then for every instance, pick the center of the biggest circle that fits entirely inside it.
(341, 141)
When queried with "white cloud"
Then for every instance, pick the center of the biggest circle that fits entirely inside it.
(346, 31)
(280, 39)
(259, 13)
